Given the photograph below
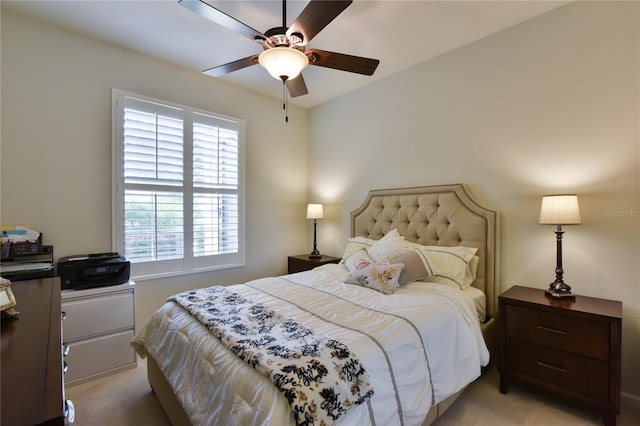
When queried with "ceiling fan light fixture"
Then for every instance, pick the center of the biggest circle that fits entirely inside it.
(283, 63)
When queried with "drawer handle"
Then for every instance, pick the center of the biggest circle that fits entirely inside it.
(64, 315)
(552, 330)
(69, 413)
(65, 349)
(553, 367)
(65, 367)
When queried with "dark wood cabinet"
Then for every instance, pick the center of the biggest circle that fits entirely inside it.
(568, 348)
(303, 262)
(31, 369)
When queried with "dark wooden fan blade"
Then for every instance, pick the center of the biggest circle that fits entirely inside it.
(297, 86)
(316, 16)
(342, 62)
(219, 17)
(221, 70)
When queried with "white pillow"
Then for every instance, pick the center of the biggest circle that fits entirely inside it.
(389, 246)
(466, 253)
(354, 244)
(450, 262)
(382, 277)
(363, 240)
(470, 273)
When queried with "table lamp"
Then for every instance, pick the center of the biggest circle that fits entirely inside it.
(559, 210)
(315, 212)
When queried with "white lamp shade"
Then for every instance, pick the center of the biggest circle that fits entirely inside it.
(560, 210)
(315, 211)
(283, 62)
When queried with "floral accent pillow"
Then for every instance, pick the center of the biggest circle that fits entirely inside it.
(363, 271)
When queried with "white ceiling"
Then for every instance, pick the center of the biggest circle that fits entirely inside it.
(398, 32)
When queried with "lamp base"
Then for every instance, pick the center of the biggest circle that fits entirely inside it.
(559, 295)
(315, 256)
(559, 290)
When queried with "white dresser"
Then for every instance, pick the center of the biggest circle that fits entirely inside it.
(99, 324)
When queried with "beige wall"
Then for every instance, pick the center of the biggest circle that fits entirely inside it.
(547, 106)
(56, 147)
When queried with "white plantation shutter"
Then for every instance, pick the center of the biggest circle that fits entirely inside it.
(215, 186)
(177, 187)
(153, 169)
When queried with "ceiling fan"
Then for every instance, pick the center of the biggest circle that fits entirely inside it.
(284, 54)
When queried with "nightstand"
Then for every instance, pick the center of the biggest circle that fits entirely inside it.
(567, 348)
(303, 262)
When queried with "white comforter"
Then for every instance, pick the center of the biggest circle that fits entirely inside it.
(419, 345)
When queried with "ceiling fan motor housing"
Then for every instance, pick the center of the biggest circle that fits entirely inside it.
(277, 37)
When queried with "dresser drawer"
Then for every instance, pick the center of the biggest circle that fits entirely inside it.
(578, 373)
(90, 316)
(578, 335)
(99, 355)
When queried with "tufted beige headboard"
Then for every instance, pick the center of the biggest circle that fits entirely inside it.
(443, 215)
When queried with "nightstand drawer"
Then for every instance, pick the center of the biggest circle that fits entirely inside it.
(578, 335)
(560, 368)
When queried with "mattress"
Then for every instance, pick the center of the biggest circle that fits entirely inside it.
(419, 346)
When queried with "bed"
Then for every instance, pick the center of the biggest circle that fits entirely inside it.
(421, 342)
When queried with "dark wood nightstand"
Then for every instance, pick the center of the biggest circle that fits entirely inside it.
(568, 348)
(303, 262)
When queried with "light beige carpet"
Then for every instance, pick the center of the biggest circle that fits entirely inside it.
(120, 399)
(125, 399)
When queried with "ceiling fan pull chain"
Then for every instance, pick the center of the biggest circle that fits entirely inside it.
(285, 100)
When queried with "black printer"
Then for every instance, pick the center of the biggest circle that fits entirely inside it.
(93, 270)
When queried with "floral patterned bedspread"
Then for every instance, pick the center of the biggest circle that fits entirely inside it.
(319, 376)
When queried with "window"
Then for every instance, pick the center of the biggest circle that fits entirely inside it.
(177, 190)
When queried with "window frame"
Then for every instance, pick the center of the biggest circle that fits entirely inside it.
(189, 263)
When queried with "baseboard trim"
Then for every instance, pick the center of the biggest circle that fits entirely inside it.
(629, 398)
